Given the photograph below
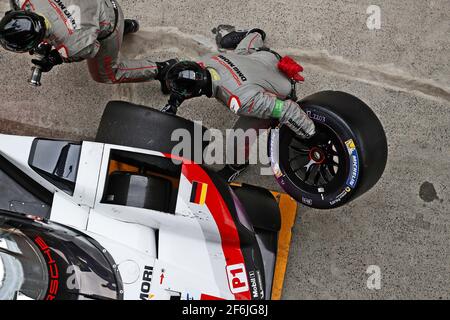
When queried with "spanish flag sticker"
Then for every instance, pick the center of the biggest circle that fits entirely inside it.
(199, 191)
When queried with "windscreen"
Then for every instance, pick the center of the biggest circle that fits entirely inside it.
(51, 262)
(23, 271)
(56, 161)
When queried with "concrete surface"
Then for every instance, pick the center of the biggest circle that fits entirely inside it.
(402, 71)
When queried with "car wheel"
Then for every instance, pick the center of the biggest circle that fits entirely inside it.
(348, 161)
(131, 125)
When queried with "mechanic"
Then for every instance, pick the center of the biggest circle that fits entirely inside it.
(78, 30)
(253, 81)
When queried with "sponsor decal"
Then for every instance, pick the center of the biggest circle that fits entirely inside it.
(256, 285)
(260, 282)
(52, 269)
(253, 285)
(146, 282)
(307, 201)
(354, 171)
(233, 67)
(316, 117)
(199, 192)
(341, 196)
(226, 226)
(354, 163)
(67, 14)
(298, 127)
(234, 104)
(237, 278)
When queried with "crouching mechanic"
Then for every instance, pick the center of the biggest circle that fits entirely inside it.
(253, 81)
(77, 30)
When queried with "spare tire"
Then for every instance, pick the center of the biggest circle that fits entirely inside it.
(346, 164)
(131, 125)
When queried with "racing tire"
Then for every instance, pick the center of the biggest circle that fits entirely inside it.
(131, 125)
(344, 165)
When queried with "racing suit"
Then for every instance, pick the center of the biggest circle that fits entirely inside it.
(81, 30)
(249, 83)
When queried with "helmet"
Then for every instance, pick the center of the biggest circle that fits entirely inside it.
(22, 31)
(188, 79)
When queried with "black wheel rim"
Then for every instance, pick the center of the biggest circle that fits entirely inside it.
(320, 165)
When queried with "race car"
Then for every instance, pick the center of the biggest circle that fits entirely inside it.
(90, 220)
(124, 218)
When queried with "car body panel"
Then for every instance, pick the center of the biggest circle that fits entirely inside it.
(193, 253)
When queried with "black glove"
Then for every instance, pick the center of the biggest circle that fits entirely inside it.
(49, 61)
(163, 68)
(174, 102)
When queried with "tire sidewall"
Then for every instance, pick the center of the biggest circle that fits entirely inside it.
(353, 168)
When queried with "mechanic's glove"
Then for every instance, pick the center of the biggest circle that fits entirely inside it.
(174, 102)
(48, 62)
(163, 68)
(295, 119)
(43, 49)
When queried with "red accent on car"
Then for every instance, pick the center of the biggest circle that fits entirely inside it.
(52, 269)
(229, 235)
(208, 297)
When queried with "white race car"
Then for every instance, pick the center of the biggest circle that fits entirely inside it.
(122, 218)
(93, 220)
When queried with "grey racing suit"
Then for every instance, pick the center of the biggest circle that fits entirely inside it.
(76, 29)
(249, 83)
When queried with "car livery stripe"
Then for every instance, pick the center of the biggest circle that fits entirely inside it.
(229, 235)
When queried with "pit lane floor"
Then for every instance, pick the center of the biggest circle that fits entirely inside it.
(401, 70)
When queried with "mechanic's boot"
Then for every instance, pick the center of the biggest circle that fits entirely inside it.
(227, 37)
(131, 26)
(231, 172)
(163, 67)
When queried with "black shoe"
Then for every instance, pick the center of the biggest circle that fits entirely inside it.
(131, 26)
(163, 67)
(230, 172)
(227, 37)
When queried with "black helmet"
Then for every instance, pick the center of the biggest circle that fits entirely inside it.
(188, 79)
(22, 31)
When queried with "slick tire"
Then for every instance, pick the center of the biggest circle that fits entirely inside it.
(342, 167)
(131, 125)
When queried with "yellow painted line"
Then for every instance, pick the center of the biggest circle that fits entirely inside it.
(288, 208)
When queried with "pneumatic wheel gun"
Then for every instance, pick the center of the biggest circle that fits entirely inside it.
(41, 52)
